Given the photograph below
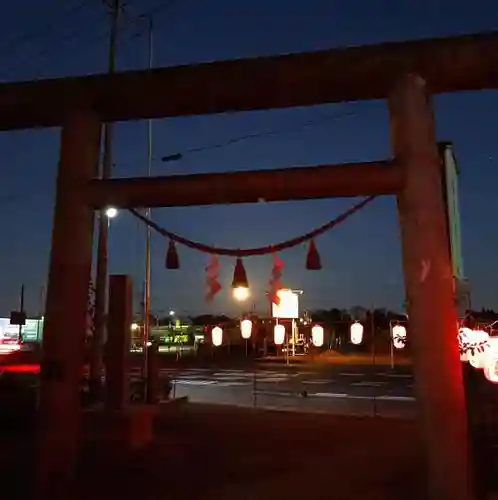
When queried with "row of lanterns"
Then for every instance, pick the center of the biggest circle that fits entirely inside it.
(398, 333)
(480, 351)
(317, 334)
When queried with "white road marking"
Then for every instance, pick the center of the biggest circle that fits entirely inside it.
(195, 382)
(396, 398)
(368, 384)
(317, 382)
(349, 374)
(330, 394)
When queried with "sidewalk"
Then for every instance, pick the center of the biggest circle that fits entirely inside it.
(216, 453)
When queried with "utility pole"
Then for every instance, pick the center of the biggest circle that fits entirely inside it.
(103, 223)
(148, 212)
(21, 310)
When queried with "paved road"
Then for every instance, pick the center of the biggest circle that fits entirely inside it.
(351, 390)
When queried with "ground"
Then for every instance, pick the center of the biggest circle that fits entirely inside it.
(207, 452)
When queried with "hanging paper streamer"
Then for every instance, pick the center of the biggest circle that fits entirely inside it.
(213, 285)
(313, 261)
(275, 283)
(172, 259)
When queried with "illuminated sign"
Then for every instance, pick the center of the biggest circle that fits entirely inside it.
(288, 307)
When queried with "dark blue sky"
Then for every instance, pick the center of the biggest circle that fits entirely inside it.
(361, 258)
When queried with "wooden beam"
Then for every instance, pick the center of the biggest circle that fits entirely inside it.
(347, 74)
(298, 183)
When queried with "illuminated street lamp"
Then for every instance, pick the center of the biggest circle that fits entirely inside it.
(111, 212)
(134, 327)
(217, 336)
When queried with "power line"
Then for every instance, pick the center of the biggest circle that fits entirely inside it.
(155, 10)
(258, 135)
(42, 31)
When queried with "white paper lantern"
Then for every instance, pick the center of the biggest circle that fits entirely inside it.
(246, 328)
(356, 333)
(491, 360)
(479, 341)
(317, 335)
(279, 334)
(464, 339)
(217, 336)
(399, 336)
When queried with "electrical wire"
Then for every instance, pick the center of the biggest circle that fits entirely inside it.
(39, 31)
(102, 36)
(258, 135)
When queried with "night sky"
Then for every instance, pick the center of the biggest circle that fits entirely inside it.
(361, 258)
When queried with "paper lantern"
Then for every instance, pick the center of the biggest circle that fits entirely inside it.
(464, 339)
(491, 360)
(399, 336)
(356, 333)
(217, 336)
(478, 348)
(246, 328)
(279, 334)
(317, 335)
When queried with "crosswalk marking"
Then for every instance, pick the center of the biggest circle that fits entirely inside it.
(368, 384)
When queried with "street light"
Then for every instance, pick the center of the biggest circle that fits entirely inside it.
(111, 212)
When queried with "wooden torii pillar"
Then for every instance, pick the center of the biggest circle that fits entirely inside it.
(66, 306)
(430, 293)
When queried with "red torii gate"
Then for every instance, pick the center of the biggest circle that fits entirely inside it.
(403, 73)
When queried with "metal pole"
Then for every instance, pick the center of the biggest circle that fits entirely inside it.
(391, 341)
(102, 250)
(21, 310)
(41, 312)
(148, 213)
(372, 326)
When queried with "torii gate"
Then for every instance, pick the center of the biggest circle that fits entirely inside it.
(403, 73)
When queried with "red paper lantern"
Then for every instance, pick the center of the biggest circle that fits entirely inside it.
(172, 259)
(313, 261)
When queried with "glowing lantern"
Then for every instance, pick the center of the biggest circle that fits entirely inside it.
(464, 339)
(279, 334)
(217, 336)
(317, 335)
(478, 347)
(356, 333)
(491, 361)
(246, 328)
(399, 336)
